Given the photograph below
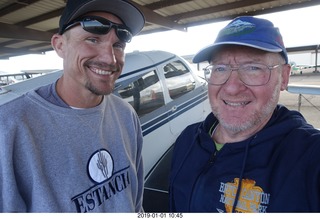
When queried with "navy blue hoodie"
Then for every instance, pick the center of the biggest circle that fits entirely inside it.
(278, 169)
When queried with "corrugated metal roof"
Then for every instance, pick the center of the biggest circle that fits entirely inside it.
(27, 25)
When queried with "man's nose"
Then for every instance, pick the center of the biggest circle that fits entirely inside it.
(234, 83)
(107, 54)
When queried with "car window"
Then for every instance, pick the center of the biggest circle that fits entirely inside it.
(145, 93)
(179, 79)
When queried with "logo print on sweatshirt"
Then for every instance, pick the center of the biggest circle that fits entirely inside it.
(252, 199)
(100, 166)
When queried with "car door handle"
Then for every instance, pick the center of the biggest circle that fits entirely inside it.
(174, 108)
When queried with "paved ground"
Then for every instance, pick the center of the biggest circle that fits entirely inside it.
(310, 104)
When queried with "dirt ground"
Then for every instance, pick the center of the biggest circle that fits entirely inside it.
(310, 104)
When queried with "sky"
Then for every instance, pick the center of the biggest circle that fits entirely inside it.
(299, 27)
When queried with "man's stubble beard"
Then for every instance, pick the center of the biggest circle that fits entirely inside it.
(256, 117)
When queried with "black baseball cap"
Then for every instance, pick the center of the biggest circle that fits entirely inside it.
(130, 15)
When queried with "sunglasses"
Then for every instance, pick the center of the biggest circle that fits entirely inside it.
(101, 26)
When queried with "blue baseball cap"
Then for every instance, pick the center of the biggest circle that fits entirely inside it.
(246, 31)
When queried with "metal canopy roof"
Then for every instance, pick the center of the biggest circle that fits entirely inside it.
(27, 25)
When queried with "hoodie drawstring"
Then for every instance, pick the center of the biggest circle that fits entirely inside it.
(240, 178)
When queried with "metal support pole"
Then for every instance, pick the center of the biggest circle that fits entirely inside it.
(299, 102)
(316, 61)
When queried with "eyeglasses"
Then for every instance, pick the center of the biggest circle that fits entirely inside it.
(251, 74)
(101, 26)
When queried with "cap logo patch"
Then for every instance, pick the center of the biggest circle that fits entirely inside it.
(238, 28)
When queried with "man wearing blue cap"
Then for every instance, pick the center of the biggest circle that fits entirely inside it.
(250, 154)
(73, 146)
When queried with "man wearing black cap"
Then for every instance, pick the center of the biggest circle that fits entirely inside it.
(250, 154)
(72, 146)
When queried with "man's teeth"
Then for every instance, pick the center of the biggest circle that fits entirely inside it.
(236, 104)
(102, 72)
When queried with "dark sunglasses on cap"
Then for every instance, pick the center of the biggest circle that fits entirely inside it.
(101, 26)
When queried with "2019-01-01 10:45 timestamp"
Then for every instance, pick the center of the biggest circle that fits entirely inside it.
(159, 215)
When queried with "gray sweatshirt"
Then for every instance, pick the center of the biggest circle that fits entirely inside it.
(57, 159)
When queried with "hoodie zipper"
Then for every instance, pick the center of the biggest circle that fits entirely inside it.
(204, 170)
(211, 161)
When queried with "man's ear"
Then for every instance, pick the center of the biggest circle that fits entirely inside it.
(57, 43)
(286, 69)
